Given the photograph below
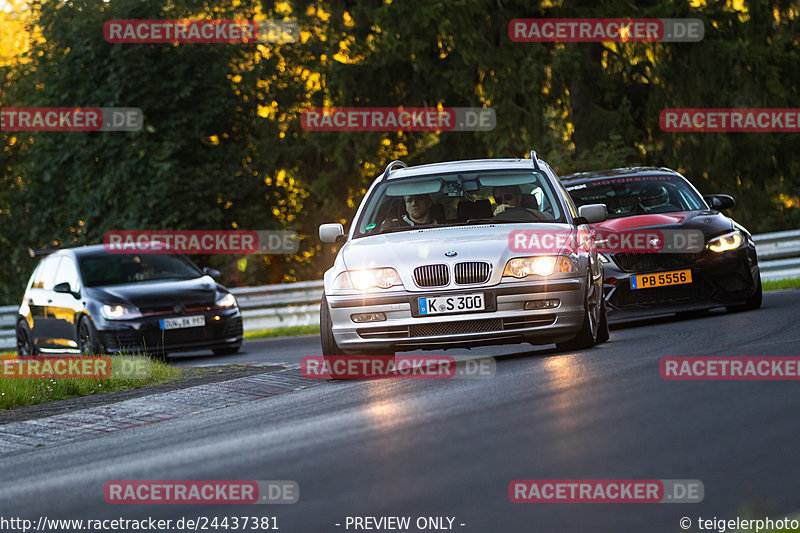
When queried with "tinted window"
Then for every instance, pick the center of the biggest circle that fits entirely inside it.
(115, 269)
(638, 195)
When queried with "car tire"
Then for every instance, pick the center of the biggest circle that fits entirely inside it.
(25, 344)
(88, 339)
(329, 346)
(754, 302)
(227, 350)
(588, 335)
(603, 332)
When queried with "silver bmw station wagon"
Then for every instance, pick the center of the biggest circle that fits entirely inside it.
(429, 262)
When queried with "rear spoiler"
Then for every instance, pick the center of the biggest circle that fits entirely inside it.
(40, 253)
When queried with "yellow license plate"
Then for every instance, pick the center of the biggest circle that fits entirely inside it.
(659, 279)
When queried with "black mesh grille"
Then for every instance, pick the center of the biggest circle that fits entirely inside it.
(432, 276)
(233, 328)
(472, 272)
(624, 295)
(456, 328)
(121, 340)
(641, 262)
(529, 322)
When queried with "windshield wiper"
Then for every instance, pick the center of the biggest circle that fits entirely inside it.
(392, 229)
(477, 221)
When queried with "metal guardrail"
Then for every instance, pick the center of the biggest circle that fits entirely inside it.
(297, 304)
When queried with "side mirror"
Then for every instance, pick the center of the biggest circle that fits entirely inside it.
(720, 201)
(331, 232)
(64, 288)
(593, 213)
(214, 273)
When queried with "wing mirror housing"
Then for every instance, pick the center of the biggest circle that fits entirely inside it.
(64, 288)
(593, 213)
(720, 201)
(331, 233)
(213, 272)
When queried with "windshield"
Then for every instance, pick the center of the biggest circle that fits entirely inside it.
(639, 195)
(466, 198)
(115, 269)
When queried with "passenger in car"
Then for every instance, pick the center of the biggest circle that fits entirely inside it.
(510, 200)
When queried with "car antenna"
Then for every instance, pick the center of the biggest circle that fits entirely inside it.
(535, 160)
(389, 168)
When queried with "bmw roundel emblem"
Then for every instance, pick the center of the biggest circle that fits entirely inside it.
(451, 253)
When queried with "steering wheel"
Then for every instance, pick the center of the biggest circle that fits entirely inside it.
(521, 213)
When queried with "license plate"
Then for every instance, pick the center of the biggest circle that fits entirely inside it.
(183, 322)
(660, 279)
(461, 303)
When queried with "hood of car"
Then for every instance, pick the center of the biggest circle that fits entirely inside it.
(406, 250)
(161, 294)
(709, 222)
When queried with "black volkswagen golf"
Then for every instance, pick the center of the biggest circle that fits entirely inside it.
(87, 300)
(722, 273)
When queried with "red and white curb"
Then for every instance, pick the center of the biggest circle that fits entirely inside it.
(93, 421)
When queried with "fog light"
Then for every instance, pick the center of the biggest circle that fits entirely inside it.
(368, 317)
(542, 304)
(217, 317)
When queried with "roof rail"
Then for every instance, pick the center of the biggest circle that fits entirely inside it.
(389, 168)
(535, 160)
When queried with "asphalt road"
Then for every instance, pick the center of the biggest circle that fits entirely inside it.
(450, 448)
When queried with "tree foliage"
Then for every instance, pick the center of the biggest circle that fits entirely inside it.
(222, 146)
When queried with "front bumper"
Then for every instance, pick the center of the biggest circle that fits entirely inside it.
(723, 279)
(223, 329)
(504, 321)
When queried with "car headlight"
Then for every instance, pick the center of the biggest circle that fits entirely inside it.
(226, 301)
(604, 258)
(367, 279)
(120, 312)
(723, 243)
(543, 265)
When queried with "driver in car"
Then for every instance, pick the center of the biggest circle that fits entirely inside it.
(418, 212)
(655, 198)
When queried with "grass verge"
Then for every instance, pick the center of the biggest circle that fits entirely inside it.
(791, 283)
(134, 372)
(281, 332)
